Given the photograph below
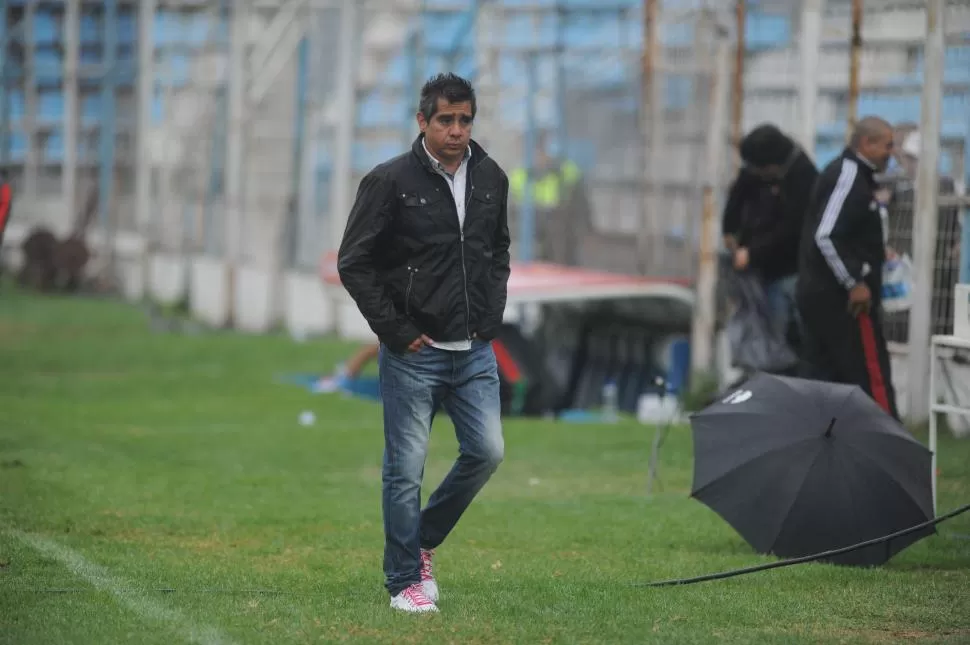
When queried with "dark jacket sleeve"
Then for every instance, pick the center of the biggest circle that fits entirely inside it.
(356, 262)
(499, 271)
(833, 236)
(732, 218)
(783, 239)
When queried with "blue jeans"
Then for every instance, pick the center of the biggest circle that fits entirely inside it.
(781, 302)
(413, 387)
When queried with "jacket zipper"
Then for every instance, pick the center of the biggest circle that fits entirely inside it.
(461, 248)
(407, 294)
(464, 272)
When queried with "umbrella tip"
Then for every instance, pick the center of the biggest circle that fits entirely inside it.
(828, 431)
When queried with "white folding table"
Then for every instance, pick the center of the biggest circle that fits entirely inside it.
(938, 343)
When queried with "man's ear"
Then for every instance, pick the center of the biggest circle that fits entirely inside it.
(422, 122)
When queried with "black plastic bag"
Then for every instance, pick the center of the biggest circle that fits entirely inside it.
(756, 344)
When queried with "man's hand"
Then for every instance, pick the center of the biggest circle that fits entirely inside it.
(741, 259)
(860, 299)
(731, 243)
(418, 343)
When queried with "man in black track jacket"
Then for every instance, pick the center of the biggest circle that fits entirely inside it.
(840, 269)
(426, 257)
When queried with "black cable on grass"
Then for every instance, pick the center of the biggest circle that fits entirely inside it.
(807, 558)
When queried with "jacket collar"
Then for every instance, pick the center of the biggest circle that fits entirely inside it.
(864, 163)
(417, 149)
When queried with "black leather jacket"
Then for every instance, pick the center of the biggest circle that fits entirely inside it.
(408, 264)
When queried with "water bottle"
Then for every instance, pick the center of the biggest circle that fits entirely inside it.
(610, 414)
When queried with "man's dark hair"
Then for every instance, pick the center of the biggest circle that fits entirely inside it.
(766, 145)
(450, 87)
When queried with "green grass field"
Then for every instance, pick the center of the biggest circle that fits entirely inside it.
(158, 489)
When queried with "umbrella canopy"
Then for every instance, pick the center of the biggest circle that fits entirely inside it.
(799, 467)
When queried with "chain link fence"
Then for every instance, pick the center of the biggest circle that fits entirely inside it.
(891, 85)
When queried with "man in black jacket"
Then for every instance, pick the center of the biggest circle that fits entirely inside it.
(426, 258)
(840, 270)
(765, 213)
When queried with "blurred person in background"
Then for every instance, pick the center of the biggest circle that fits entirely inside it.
(561, 203)
(900, 195)
(6, 202)
(425, 255)
(348, 371)
(840, 269)
(764, 216)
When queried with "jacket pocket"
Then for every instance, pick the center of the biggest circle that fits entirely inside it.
(486, 200)
(422, 211)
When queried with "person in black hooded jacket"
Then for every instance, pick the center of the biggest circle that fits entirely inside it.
(764, 215)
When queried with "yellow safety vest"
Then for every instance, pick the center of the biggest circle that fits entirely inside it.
(547, 190)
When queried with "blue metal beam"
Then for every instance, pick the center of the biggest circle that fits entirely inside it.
(106, 154)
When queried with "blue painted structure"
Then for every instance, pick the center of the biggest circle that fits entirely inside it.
(440, 41)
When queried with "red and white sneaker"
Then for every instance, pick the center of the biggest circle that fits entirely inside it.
(428, 583)
(413, 600)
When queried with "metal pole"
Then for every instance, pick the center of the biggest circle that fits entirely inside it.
(347, 101)
(235, 213)
(702, 332)
(562, 132)
(650, 118)
(488, 26)
(30, 102)
(527, 212)
(106, 170)
(413, 88)
(300, 143)
(926, 217)
(72, 29)
(307, 242)
(965, 248)
(5, 132)
(855, 54)
(809, 45)
(737, 92)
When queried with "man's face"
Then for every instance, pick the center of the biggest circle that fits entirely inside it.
(878, 149)
(448, 131)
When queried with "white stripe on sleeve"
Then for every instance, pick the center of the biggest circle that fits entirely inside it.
(830, 216)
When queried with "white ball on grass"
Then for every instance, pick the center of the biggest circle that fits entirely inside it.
(307, 418)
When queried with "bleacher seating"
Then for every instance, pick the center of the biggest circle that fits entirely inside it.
(596, 27)
(599, 25)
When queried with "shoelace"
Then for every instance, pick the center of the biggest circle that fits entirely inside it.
(416, 596)
(426, 571)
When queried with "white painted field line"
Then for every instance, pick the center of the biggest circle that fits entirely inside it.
(142, 605)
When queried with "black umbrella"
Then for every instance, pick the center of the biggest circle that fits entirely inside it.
(798, 467)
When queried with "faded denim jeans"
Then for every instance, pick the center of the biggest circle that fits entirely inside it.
(781, 303)
(413, 387)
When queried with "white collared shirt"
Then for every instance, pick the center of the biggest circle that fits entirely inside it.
(457, 183)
